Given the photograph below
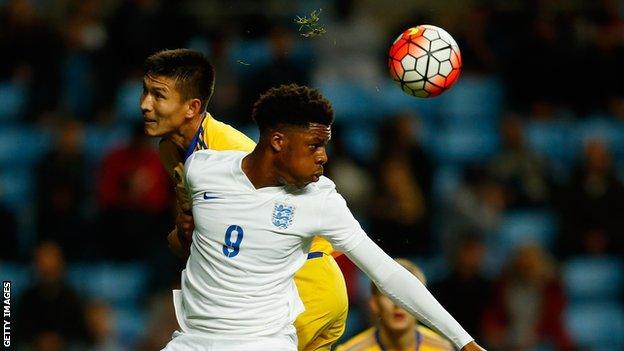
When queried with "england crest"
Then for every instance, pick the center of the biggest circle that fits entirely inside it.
(283, 215)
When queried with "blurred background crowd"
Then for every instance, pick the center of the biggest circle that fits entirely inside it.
(508, 190)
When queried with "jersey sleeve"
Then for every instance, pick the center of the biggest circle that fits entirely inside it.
(337, 224)
(222, 136)
(406, 290)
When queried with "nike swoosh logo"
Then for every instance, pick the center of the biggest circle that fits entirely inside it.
(208, 197)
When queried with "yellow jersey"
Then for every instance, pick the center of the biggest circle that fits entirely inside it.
(368, 340)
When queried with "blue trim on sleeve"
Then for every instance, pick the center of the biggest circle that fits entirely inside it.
(315, 254)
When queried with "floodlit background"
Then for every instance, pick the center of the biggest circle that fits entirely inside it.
(507, 190)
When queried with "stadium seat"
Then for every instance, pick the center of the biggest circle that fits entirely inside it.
(16, 187)
(350, 102)
(473, 101)
(127, 100)
(520, 227)
(130, 324)
(22, 146)
(392, 99)
(465, 145)
(19, 276)
(12, 100)
(121, 285)
(101, 140)
(246, 56)
(593, 278)
(596, 326)
(553, 140)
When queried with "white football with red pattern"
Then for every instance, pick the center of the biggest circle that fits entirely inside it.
(425, 61)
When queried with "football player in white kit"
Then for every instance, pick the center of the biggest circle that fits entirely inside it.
(255, 216)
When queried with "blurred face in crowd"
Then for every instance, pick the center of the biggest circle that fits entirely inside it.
(164, 110)
(392, 318)
(49, 262)
(302, 153)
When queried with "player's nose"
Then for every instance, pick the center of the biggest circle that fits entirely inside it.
(145, 104)
(321, 158)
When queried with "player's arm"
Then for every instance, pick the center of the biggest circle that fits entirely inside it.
(179, 238)
(339, 226)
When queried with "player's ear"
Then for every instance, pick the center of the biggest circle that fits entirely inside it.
(277, 141)
(194, 108)
(373, 305)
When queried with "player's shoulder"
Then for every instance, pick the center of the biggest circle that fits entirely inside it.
(434, 340)
(364, 341)
(212, 160)
(324, 184)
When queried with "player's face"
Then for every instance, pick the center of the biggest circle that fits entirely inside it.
(164, 112)
(392, 317)
(305, 154)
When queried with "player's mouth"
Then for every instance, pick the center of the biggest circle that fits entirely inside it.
(148, 121)
(398, 316)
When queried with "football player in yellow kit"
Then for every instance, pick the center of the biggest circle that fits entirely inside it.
(177, 85)
(396, 329)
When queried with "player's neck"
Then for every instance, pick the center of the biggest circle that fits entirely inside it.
(259, 169)
(397, 341)
(186, 133)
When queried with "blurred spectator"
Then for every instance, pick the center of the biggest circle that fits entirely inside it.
(526, 310)
(400, 211)
(162, 322)
(352, 180)
(135, 196)
(477, 206)
(521, 170)
(465, 292)
(85, 36)
(395, 328)
(10, 246)
(37, 65)
(49, 315)
(592, 204)
(100, 328)
(349, 51)
(282, 68)
(61, 191)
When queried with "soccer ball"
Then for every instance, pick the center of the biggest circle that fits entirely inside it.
(425, 61)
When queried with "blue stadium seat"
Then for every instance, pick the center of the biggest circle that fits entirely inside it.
(22, 146)
(472, 101)
(361, 141)
(553, 140)
(127, 100)
(16, 187)
(130, 324)
(12, 100)
(101, 140)
(350, 101)
(121, 285)
(593, 278)
(246, 56)
(465, 145)
(19, 276)
(521, 227)
(596, 326)
(391, 99)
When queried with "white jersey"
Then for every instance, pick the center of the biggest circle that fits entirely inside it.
(247, 245)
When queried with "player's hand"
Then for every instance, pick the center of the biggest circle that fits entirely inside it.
(472, 346)
(185, 223)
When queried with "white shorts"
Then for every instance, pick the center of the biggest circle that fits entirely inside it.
(194, 342)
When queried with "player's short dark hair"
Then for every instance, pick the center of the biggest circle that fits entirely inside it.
(192, 71)
(294, 105)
